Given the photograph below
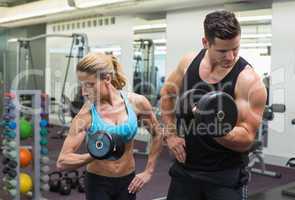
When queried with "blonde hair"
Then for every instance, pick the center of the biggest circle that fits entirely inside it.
(102, 64)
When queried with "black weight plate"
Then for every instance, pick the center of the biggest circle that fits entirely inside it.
(99, 145)
(218, 113)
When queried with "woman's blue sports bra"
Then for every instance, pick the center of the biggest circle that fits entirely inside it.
(127, 130)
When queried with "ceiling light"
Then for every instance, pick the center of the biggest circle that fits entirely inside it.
(149, 26)
(249, 36)
(255, 18)
(253, 45)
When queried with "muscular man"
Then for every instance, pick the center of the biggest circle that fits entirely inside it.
(206, 167)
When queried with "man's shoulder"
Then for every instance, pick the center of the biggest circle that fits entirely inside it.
(248, 79)
(189, 57)
(186, 60)
(249, 74)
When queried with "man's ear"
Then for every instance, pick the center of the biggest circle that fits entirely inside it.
(205, 43)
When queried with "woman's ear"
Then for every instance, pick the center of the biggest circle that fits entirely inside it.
(108, 78)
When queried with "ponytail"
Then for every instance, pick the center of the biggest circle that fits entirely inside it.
(119, 79)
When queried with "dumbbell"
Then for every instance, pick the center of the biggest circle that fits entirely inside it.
(43, 123)
(43, 141)
(10, 183)
(9, 116)
(43, 132)
(44, 114)
(9, 106)
(9, 143)
(45, 169)
(44, 160)
(211, 113)
(10, 125)
(81, 183)
(11, 154)
(291, 162)
(45, 187)
(10, 172)
(44, 151)
(74, 176)
(44, 178)
(101, 145)
(9, 95)
(10, 163)
(65, 186)
(54, 181)
(11, 134)
(11, 191)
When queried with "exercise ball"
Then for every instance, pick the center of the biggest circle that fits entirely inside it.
(25, 157)
(25, 182)
(25, 129)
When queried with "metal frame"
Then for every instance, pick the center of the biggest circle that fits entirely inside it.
(35, 112)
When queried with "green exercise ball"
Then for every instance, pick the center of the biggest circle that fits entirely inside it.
(25, 129)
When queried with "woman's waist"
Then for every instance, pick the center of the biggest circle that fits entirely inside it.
(116, 168)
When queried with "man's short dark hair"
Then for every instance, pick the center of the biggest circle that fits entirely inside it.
(221, 24)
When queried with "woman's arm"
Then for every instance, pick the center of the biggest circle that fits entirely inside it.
(67, 158)
(150, 122)
(148, 119)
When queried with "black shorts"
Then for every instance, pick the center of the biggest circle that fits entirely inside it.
(223, 185)
(108, 188)
(203, 190)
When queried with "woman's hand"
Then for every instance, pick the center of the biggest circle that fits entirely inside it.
(139, 181)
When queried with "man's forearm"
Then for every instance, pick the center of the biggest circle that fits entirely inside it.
(168, 110)
(239, 139)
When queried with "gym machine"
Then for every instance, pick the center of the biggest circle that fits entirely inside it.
(290, 191)
(256, 152)
(145, 72)
(144, 81)
(79, 42)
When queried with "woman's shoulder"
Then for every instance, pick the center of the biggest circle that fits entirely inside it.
(138, 101)
(83, 117)
(134, 98)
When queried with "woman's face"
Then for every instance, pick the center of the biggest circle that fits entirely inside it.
(93, 88)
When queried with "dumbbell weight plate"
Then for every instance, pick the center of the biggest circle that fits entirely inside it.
(217, 111)
(100, 145)
(118, 149)
(187, 102)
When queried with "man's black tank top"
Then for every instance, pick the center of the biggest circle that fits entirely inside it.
(203, 152)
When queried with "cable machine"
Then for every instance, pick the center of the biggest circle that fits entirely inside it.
(145, 72)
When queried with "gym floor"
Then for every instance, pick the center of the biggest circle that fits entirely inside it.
(260, 188)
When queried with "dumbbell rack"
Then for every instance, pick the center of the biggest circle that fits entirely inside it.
(35, 112)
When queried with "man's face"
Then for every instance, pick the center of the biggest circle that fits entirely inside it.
(223, 53)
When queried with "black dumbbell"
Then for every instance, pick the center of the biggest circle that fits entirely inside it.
(208, 113)
(54, 181)
(102, 145)
(10, 172)
(291, 162)
(10, 163)
(74, 176)
(81, 183)
(65, 186)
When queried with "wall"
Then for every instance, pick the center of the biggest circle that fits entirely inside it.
(100, 36)
(184, 34)
(281, 134)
